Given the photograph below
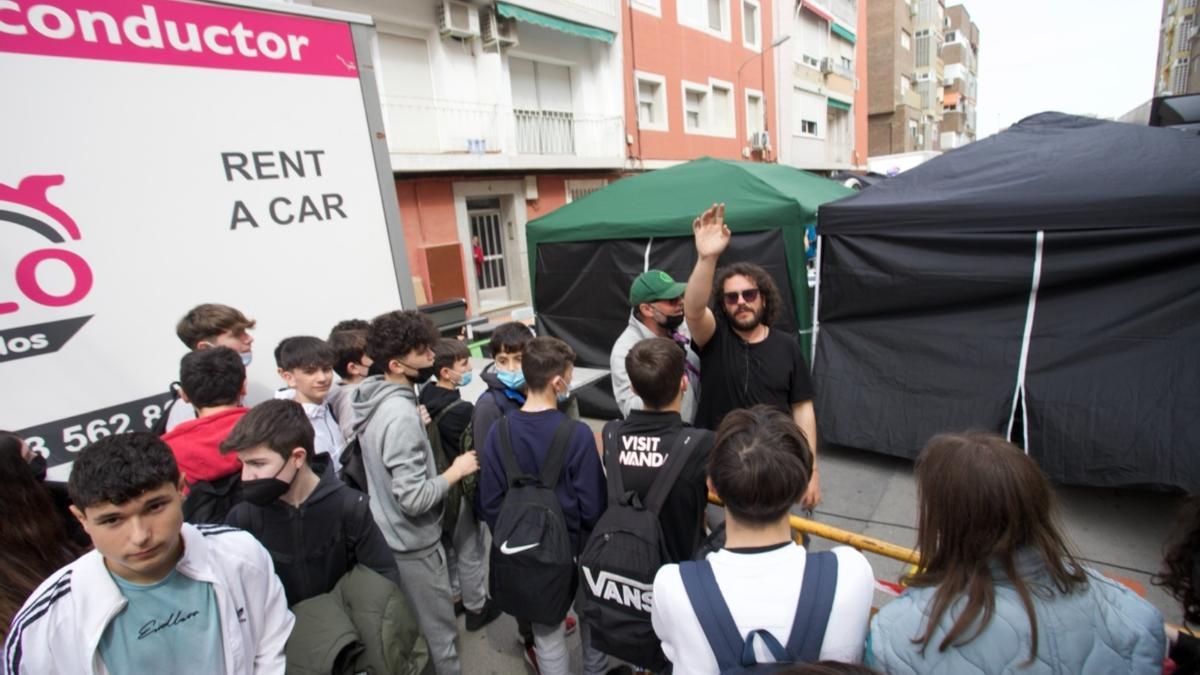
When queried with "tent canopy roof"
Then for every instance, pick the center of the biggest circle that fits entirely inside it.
(1050, 171)
(664, 203)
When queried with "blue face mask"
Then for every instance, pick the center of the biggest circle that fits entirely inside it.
(466, 379)
(562, 397)
(510, 379)
(246, 357)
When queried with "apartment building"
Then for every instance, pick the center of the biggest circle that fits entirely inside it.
(822, 78)
(960, 55)
(908, 77)
(929, 70)
(1178, 49)
(699, 80)
(894, 108)
(496, 112)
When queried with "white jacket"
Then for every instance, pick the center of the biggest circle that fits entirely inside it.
(58, 630)
(626, 400)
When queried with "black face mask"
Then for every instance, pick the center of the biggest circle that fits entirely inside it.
(671, 322)
(37, 464)
(263, 491)
(423, 374)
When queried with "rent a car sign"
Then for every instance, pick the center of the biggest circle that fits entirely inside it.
(155, 155)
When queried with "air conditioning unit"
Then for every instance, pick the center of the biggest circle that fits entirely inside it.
(760, 140)
(827, 65)
(457, 19)
(497, 31)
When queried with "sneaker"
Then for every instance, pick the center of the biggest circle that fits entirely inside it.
(486, 615)
(531, 659)
(569, 625)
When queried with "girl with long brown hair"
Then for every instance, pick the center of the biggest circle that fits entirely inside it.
(997, 588)
(1180, 576)
(33, 541)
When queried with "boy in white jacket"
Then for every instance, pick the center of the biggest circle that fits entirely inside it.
(156, 595)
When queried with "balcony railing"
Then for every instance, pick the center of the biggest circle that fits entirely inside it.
(545, 132)
(440, 126)
(426, 125)
(838, 153)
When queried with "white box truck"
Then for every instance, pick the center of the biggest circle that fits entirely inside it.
(159, 154)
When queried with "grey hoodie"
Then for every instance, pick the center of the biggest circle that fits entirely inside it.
(406, 491)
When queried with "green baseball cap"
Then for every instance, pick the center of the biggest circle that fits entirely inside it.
(654, 285)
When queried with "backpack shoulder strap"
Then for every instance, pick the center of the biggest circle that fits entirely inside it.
(612, 464)
(712, 612)
(447, 409)
(512, 468)
(814, 607)
(669, 473)
(556, 457)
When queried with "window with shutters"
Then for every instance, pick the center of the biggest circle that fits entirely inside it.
(751, 35)
(709, 16)
(543, 108)
(578, 189)
(652, 101)
(814, 39)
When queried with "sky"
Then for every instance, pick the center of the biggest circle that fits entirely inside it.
(1075, 56)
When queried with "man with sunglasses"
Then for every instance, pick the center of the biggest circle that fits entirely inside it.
(657, 302)
(744, 361)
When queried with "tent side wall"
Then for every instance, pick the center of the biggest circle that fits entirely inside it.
(918, 334)
(1113, 384)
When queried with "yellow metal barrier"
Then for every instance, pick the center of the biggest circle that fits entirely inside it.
(841, 536)
(862, 543)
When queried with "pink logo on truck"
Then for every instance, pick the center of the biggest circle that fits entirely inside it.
(169, 32)
(28, 206)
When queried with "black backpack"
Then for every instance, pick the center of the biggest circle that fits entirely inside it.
(734, 653)
(532, 563)
(623, 554)
(353, 471)
(209, 501)
(159, 428)
(443, 458)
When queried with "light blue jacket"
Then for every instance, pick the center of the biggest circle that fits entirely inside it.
(1103, 628)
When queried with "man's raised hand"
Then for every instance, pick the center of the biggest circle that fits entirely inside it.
(712, 235)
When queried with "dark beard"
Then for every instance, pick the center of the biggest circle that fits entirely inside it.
(746, 324)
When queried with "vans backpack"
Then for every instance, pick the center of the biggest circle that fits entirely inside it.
(532, 564)
(623, 554)
(734, 653)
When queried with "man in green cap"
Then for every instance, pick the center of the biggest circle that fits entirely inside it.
(657, 303)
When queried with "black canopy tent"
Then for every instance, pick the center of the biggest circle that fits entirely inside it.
(1043, 283)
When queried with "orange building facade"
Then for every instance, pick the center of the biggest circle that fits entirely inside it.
(698, 82)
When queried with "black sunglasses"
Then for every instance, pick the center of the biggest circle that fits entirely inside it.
(749, 295)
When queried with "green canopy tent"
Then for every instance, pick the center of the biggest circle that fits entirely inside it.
(583, 256)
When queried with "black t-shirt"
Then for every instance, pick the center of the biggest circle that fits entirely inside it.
(644, 440)
(736, 374)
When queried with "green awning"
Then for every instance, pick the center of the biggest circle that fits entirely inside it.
(547, 21)
(842, 32)
(840, 105)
